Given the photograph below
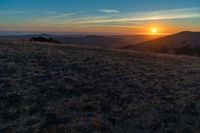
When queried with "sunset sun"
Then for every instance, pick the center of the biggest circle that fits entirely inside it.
(154, 30)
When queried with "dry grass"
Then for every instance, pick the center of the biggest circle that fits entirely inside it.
(57, 88)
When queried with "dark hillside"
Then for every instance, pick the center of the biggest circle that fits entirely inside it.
(185, 43)
(58, 88)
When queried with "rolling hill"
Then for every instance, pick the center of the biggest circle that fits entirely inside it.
(109, 41)
(185, 43)
(55, 88)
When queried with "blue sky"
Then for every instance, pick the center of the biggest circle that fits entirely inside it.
(98, 16)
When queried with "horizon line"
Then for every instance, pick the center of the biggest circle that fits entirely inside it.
(13, 33)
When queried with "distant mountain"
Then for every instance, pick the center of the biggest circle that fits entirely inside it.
(107, 41)
(114, 41)
(184, 43)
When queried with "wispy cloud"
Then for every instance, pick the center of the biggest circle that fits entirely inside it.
(51, 12)
(58, 15)
(135, 20)
(64, 15)
(39, 13)
(52, 20)
(13, 12)
(148, 16)
(109, 11)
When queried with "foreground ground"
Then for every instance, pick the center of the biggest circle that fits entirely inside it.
(57, 88)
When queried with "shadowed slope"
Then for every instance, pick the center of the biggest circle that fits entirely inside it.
(58, 88)
(187, 43)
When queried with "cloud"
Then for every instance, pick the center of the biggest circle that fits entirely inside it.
(182, 13)
(58, 15)
(134, 19)
(39, 13)
(51, 12)
(108, 11)
(13, 12)
(112, 18)
(65, 15)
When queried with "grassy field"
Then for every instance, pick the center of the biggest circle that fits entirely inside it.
(63, 89)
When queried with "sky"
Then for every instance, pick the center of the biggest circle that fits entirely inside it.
(99, 16)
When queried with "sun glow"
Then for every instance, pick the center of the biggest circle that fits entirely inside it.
(154, 30)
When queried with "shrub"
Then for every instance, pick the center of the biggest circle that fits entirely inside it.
(43, 39)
